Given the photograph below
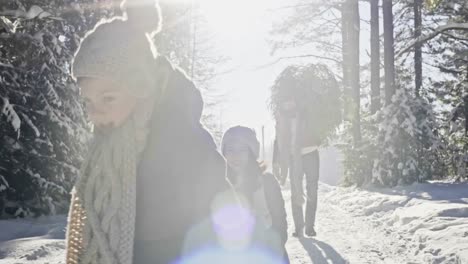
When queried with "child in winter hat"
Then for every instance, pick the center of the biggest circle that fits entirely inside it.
(242, 135)
(241, 148)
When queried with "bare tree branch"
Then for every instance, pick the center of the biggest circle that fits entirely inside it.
(330, 3)
(461, 39)
(296, 57)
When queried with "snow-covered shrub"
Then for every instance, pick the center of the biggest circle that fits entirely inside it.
(407, 145)
(43, 129)
(359, 159)
(458, 156)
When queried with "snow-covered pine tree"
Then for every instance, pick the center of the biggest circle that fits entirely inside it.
(43, 129)
(407, 144)
(358, 158)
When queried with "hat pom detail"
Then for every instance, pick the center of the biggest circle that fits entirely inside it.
(143, 15)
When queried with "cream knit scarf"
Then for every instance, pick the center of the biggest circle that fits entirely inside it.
(101, 224)
(102, 214)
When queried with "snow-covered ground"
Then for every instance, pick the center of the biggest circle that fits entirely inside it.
(423, 223)
(33, 241)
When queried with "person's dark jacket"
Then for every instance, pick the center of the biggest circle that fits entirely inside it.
(179, 174)
(275, 203)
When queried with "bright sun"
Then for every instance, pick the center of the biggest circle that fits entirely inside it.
(232, 16)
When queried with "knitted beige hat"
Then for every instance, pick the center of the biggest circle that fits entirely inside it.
(120, 49)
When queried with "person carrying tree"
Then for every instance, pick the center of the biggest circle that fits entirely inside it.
(306, 107)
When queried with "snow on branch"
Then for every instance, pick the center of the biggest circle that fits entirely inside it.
(31, 124)
(3, 183)
(34, 11)
(8, 25)
(433, 34)
(11, 115)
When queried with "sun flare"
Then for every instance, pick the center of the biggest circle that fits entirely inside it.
(231, 16)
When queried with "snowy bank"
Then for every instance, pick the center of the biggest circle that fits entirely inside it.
(33, 240)
(430, 221)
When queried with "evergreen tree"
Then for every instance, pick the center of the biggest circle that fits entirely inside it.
(407, 144)
(43, 129)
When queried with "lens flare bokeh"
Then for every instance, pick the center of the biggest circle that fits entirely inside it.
(212, 255)
(234, 226)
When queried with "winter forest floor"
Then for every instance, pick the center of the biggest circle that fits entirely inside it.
(423, 223)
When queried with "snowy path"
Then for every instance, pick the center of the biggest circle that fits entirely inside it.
(342, 238)
(356, 226)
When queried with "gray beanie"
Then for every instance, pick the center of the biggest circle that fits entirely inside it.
(244, 135)
(120, 50)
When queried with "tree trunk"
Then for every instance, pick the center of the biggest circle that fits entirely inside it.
(355, 69)
(464, 172)
(465, 102)
(375, 56)
(418, 47)
(345, 15)
(389, 52)
(351, 67)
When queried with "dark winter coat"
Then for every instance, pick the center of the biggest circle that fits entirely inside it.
(178, 176)
(269, 243)
(273, 196)
(275, 203)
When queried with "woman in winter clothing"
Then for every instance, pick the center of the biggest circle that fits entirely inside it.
(152, 170)
(262, 191)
